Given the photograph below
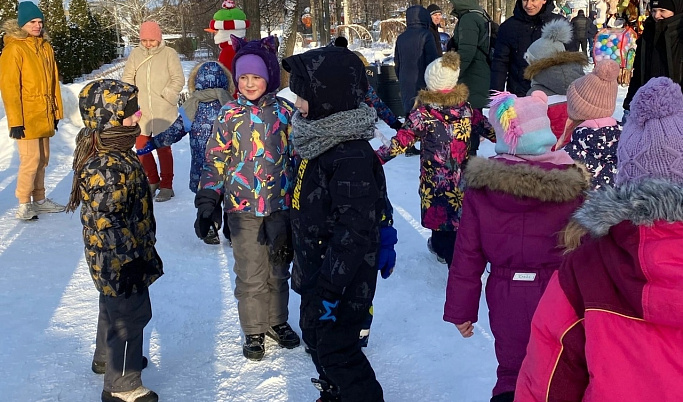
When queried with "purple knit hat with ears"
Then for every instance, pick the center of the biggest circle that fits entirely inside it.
(263, 48)
(651, 144)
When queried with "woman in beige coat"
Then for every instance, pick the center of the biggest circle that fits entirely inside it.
(155, 69)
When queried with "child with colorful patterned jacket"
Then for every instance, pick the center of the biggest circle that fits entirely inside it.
(210, 85)
(249, 161)
(444, 121)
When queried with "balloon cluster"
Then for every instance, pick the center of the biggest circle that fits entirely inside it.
(616, 44)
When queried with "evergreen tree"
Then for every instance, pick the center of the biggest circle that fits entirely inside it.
(55, 20)
(8, 11)
(79, 13)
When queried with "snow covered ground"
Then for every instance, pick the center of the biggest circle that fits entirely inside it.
(48, 304)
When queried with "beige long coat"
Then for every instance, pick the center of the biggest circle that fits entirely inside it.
(159, 76)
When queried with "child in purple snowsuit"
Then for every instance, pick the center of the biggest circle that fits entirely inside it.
(515, 205)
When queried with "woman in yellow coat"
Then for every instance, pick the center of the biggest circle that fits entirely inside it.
(33, 102)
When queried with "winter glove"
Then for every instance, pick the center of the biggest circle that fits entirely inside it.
(56, 124)
(17, 132)
(396, 125)
(387, 254)
(131, 276)
(205, 201)
(149, 147)
(624, 118)
(282, 251)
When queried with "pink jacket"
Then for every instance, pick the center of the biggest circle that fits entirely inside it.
(610, 324)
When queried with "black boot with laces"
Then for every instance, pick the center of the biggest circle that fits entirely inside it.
(284, 335)
(253, 348)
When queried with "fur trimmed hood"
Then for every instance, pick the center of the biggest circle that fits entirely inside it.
(192, 77)
(563, 184)
(642, 203)
(13, 32)
(457, 96)
(558, 59)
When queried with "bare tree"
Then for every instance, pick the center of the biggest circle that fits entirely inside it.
(129, 14)
(288, 35)
(272, 12)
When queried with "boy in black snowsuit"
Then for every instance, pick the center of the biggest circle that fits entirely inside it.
(338, 205)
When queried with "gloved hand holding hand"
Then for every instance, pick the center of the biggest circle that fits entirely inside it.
(131, 276)
(17, 132)
(387, 254)
(396, 125)
(149, 147)
(56, 124)
(205, 201)
(624, 118)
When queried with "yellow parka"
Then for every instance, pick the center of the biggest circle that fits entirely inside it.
(29, 83)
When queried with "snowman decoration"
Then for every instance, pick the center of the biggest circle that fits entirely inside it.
(229, 20)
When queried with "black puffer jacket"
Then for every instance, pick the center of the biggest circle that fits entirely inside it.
(515, 35)
(580, 24)
(415, 49)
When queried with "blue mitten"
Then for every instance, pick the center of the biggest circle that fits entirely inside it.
(149, 147)
(387, 254)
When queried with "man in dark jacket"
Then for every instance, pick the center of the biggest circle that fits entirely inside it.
(435, 14)
(338, 202)
(471, 41)
(580, 25)
(515, 35)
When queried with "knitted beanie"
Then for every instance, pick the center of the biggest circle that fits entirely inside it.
(554, 35)
(433, 8)
(651, 144)
(442, 74)
(150, 30)
(522, 124)
(251, 64)
(27, 11)
(594, 95)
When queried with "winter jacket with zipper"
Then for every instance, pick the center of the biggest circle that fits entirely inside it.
(159, 76)
(471, 41)
(659, 52)
(415, 49)
(515, 35)
(580, 25)
(443, 122)
(118, 219)
(512, 214)
(29, 83)
(609, 327)
(249, 156)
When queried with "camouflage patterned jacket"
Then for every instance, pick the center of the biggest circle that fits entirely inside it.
(118, 220)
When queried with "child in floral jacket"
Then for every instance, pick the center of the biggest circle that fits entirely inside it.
(444, 121)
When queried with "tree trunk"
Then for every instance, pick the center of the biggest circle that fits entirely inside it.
(509, 8)
(314, 20)
(253, 12)
(325, 14)
(288, 37)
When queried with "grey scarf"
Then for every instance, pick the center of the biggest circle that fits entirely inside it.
(204, 95)
(313, 137)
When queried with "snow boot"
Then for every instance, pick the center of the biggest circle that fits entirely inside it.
(328, 393)
(101, 367)
(431, 250)
(153, 188)
(212, 236)
(164, 195)
(284, 335)
(364, 336)
(253, 348)
(504, 397)
(139, 394)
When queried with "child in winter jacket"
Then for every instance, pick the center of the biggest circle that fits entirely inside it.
(515, 205)
(210, 85)
(338, 206)
(610, 324)
(444, 121)
(551, 69)
(590, 103)
(249, 161)
(118, 232)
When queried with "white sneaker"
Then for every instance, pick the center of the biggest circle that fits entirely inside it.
(48, 206)
(26, 212)
(139, 394)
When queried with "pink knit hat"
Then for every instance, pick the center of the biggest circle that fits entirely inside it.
(150, 30)
(594, 95)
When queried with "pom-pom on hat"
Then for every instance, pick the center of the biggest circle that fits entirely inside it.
(594, 95)
(651, 143)
(150, 30)
(522, 124)
(442, 74)
(554, 35)
(27, 11)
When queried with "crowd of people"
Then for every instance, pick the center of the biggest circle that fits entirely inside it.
(576, 218)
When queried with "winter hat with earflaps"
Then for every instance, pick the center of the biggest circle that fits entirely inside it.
(442, 74)
(522, 124)
(554, 35)
(651, 143)
(594, 96)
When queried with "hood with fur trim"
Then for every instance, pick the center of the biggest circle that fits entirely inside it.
(210, 77)
(541, 181)
(553, 75)
(13, 32)
(455, 97)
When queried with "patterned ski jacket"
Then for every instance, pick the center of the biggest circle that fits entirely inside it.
(444, 123)
(609, 327)
(594, 143)
(118, 219)
(249, 156)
